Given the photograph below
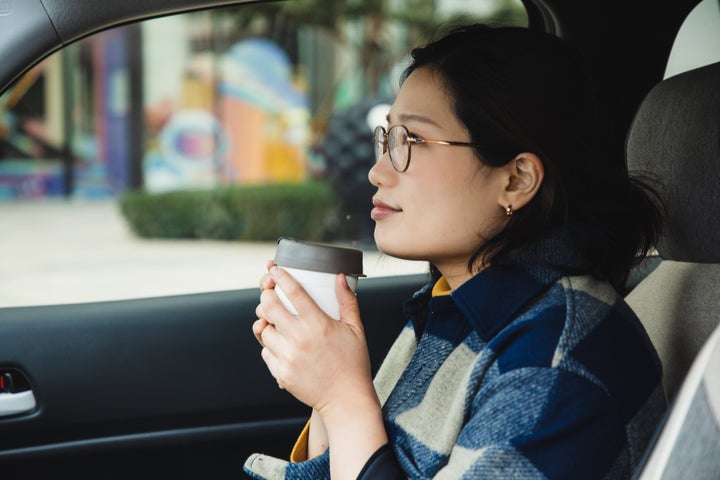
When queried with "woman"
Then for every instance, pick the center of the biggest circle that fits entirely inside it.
(520, 358)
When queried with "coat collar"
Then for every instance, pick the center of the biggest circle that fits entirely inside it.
(490, 299)
(494, 296)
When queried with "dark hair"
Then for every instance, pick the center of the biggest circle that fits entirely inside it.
(516, 90)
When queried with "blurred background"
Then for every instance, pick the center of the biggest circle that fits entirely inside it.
(281, 92)
(227, 127)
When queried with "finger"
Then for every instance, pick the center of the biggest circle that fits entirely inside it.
(266, 280)
(273, 309)
(273, 347)
(297, 295)
(271, 339)
(347, 300)
(271, 362)
(258, 327)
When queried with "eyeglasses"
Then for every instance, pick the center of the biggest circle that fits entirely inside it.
(397, 141)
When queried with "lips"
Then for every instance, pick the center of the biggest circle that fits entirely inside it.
(382, 210)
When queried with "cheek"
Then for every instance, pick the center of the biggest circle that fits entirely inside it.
(463, 220)
(469, 213)
(437, 221)
(445, 212)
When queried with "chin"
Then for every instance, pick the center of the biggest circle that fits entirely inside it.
(393, 249)
(385, 244)
(394, 245)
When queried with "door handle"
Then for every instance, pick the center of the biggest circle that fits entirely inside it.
(15, 403)
(16, 396)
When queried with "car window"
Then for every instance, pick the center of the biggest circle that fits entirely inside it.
(698, 41)
(166, 157)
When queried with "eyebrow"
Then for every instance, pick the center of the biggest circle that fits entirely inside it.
(404, 117)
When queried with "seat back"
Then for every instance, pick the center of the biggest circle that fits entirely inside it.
(675, 136)
(689, 442)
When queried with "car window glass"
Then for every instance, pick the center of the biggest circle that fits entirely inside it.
(166, 157)
(698, 40)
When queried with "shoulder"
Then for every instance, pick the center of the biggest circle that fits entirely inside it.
(577, 318)
(574, 307)
(582, 326)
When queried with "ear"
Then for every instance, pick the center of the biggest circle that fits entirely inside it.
(525, 174)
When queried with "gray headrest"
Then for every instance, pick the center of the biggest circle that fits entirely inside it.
(676, 136)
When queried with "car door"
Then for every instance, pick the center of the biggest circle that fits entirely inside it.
(167, 387)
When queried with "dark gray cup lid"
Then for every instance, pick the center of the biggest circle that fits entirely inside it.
(319, 257)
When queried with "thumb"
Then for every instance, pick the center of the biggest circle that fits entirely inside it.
(349, 309)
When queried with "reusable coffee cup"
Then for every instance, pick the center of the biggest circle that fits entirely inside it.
(315, 266)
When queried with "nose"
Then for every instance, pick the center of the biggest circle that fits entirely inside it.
(382, 171)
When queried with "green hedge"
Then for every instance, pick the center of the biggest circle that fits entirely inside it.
(257, 212)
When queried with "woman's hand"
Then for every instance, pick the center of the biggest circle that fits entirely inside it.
(325, 364)
(316, 358)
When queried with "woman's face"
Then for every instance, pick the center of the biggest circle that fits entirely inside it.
(444, 206)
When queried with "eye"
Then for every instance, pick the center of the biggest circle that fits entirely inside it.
(414, 139)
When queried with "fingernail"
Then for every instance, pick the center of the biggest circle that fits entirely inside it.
(273, 271)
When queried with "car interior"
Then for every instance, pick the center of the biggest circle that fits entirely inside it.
(174, 387)
(675, 136)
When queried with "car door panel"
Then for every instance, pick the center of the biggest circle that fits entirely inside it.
(172, 380)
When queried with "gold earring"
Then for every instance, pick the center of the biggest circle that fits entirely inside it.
(509, 211)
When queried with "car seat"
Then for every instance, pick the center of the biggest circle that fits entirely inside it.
(689, 442)
(675, 136)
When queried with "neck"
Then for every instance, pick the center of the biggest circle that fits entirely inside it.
(455, 275)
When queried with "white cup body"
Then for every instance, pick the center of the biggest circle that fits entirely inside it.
(321, 288)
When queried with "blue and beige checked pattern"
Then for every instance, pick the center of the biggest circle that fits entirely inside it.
(520, 373)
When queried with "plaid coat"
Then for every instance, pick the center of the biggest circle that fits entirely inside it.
(522, 372)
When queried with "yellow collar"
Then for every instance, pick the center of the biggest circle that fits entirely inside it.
(441, 288)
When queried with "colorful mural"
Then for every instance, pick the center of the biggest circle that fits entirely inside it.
(241, 119)
(236, 116)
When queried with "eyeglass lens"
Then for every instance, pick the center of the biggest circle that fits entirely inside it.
(397, 144)
(379, 142)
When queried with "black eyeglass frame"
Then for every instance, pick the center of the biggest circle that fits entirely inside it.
(380, 137)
